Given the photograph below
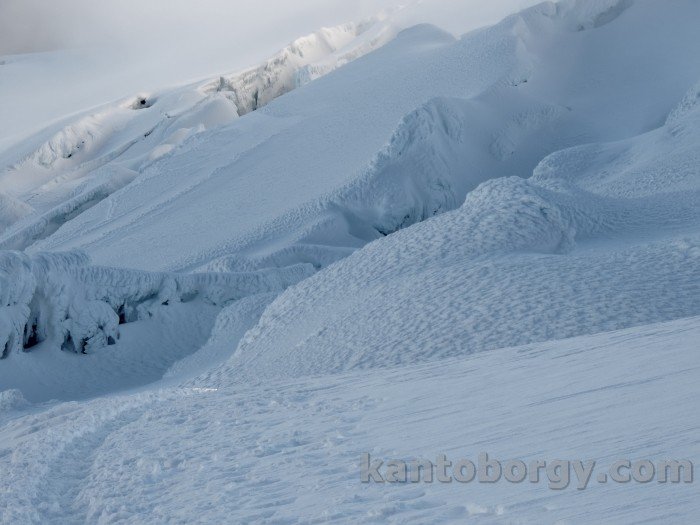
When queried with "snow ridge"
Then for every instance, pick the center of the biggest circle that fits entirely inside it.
(134, 133)
(304, 60)
(61, 299)
(574, 250)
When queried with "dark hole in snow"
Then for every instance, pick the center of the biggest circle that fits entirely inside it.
(143, 102)
(5, 350)
(111, 341)
(68, 344)
(122, 314)
(255, 99)
(30, 336)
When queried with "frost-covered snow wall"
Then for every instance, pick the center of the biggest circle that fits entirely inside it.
(304, 60)
(63, 300)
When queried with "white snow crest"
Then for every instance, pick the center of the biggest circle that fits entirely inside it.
(304, 60)
(64, 300)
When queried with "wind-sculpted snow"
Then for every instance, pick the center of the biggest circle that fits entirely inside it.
(271, 276)
(374, 148)
(391, 139)
(582, 15)
(64, 301)
(304, 60)
(12, 210)
(134, 133)
(87, 193)
(437, 154)
(664, 161)
(690, 101)
(577, 249)
(455, 113)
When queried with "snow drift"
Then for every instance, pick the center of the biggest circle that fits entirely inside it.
(135, 132)
(291, 275)
(63, 300)
(576, 249)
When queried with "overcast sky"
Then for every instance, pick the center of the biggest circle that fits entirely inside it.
(38, 25)
(108, 49)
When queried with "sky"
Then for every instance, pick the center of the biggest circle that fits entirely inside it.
(239, 27)
(95, 51)
(130, 25)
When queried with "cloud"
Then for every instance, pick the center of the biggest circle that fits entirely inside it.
(118, 47)
(151, 26)
(40, 25)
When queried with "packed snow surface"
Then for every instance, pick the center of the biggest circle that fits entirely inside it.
(214, 298)
(213, 451)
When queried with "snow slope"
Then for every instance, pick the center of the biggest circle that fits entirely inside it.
(602, 237)
(218, 451)
(268, 282)
(54, 302)
(529, 86)
(71, 166)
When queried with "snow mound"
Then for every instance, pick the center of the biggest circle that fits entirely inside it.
(388, 140)
(69, 141)
(438, 153)
(663, 161)
(11, 400)
(575, 250)
(62, 300)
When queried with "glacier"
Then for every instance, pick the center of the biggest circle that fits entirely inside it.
(393, 240)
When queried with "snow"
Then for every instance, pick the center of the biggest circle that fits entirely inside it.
(59, 301)
(79, 162)
(214, 449)
(215, 297)
(575, 249)
(290, 146)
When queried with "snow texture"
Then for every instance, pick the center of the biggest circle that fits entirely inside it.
(215, 297)
(61, 299)
(211, 451)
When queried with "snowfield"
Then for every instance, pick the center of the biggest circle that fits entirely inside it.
(550, 257)
(214, 451)
(215, 297)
